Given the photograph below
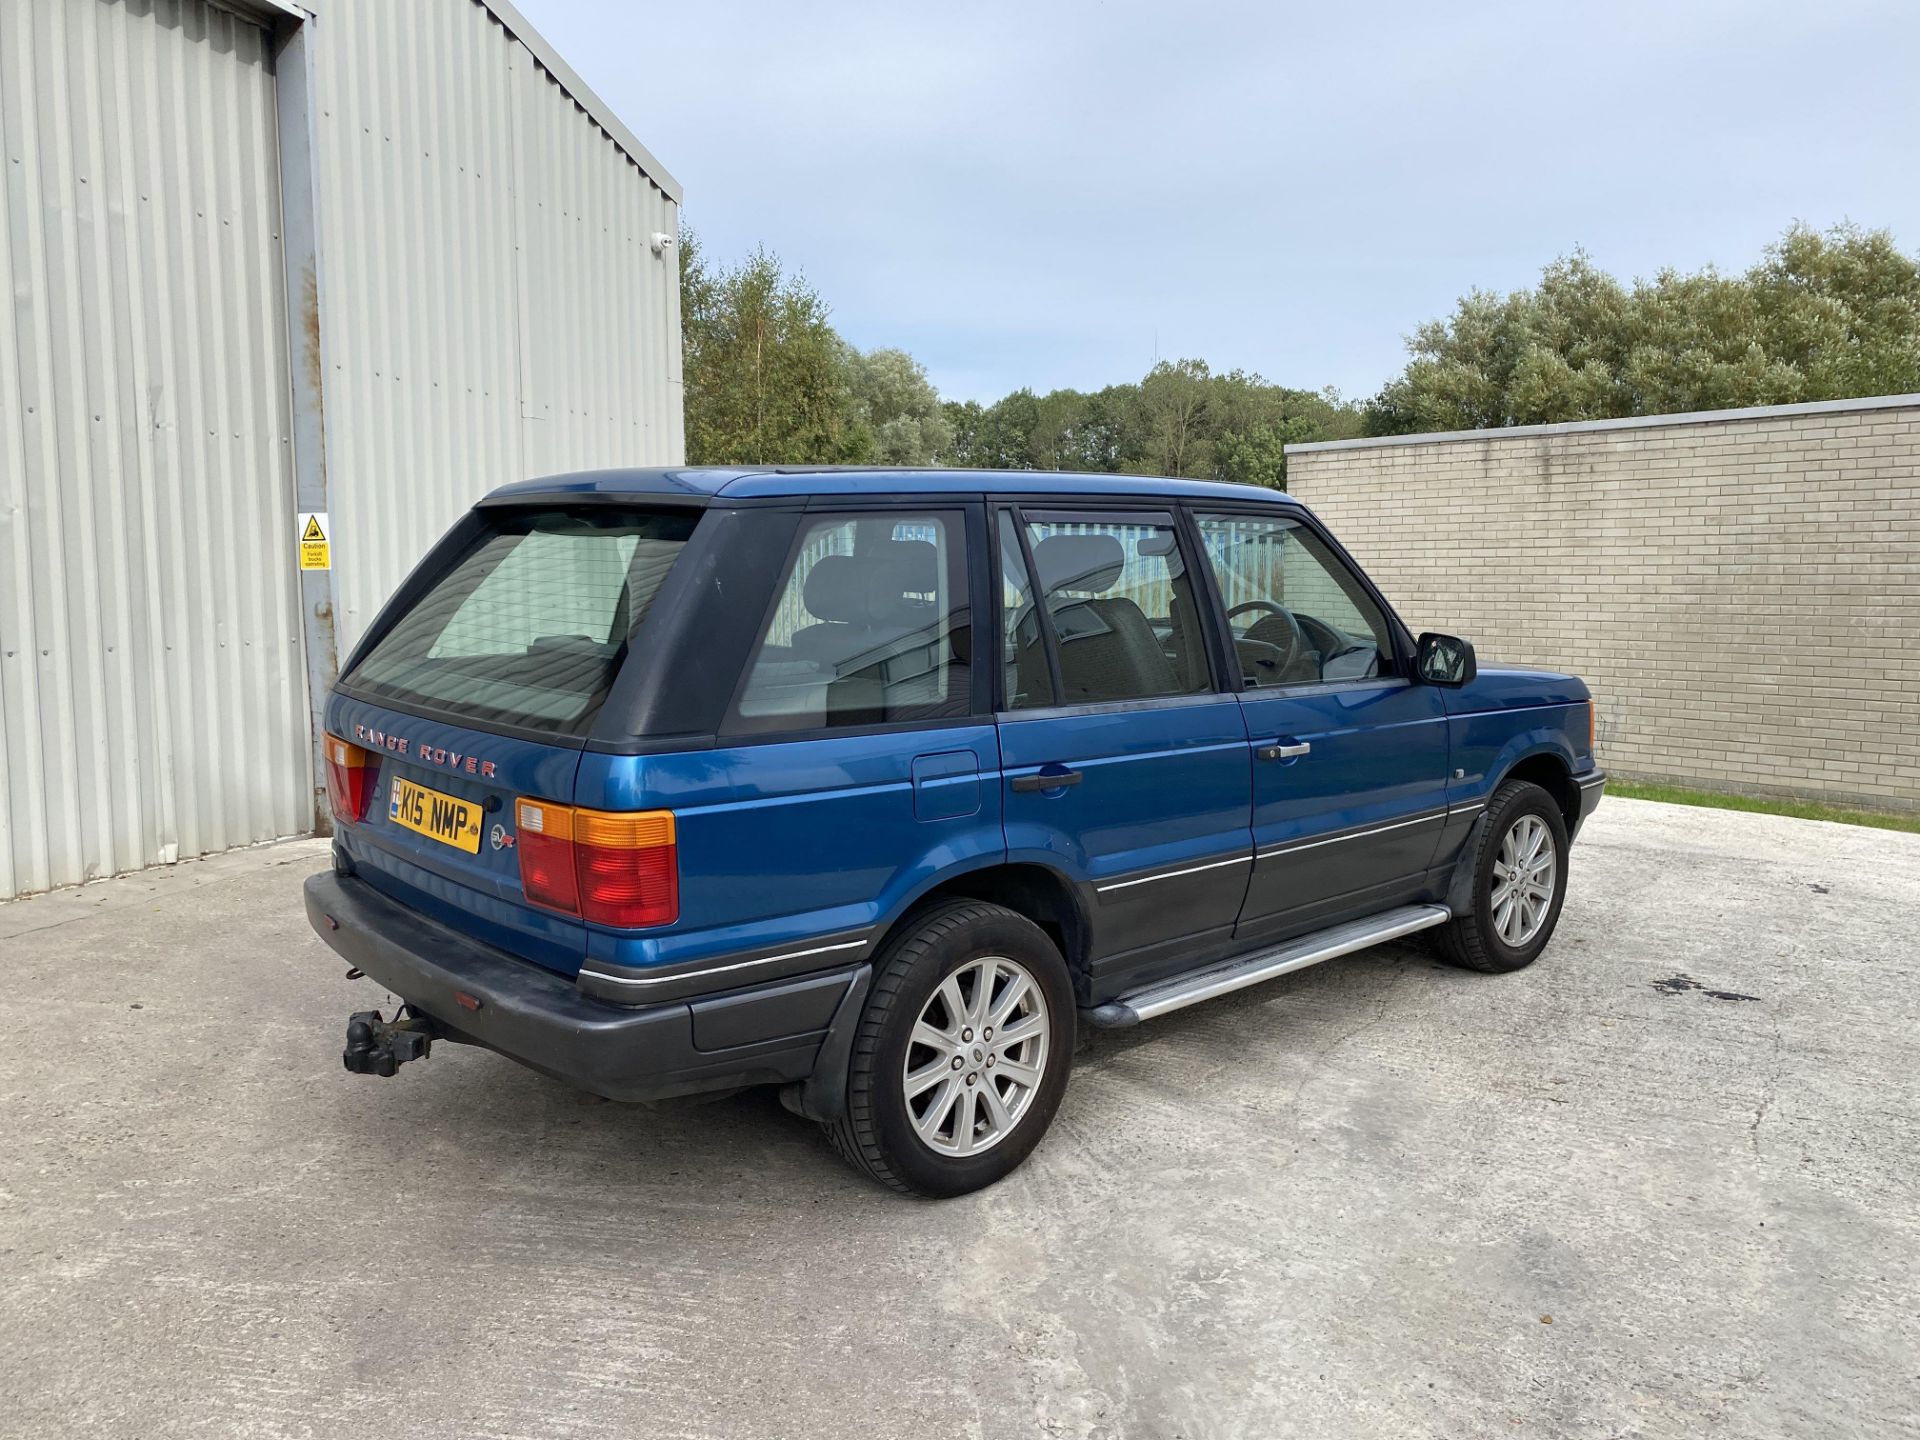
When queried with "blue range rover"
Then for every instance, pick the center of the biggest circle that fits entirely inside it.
(874, 785)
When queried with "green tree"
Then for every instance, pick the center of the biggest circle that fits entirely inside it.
(965, 419)
(1253, 422)
(993, 437)
(1821, 317)
(1180, 419)
(1257, 455)
(1096, 431)
(765, 374)
(897, 406)
(1175, 417)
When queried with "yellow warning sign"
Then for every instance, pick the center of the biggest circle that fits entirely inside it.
(315, 552)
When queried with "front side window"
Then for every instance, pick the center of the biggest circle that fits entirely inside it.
(1120, 608)
(1299, 616)
(871, 626)
(530, 625)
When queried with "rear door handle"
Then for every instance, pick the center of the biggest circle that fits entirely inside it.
(1056, 780)
(1286, 750)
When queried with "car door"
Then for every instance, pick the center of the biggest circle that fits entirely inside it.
(1124, 763)
(1349, 754)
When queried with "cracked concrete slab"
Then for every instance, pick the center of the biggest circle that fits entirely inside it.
(1661, 1184)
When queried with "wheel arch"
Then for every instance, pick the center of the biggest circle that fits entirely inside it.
(1046, 896)
(1040, 893)
(1552, 771)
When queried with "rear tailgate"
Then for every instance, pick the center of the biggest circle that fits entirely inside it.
(466, 874)
(509, 636)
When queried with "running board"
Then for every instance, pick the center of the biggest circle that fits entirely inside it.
(1244, 970)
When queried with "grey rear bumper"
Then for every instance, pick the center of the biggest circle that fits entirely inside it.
(764, 1035)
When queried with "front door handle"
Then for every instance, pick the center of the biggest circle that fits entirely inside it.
(1286, 750)
(1045, 780)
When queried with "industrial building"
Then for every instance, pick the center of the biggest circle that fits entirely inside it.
(283, 288)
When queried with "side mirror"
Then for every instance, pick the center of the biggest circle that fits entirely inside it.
(1444, 660)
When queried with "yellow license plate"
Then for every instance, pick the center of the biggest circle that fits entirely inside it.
(438, 817)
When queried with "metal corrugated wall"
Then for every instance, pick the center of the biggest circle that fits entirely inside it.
(495, 307)
(151, 695)
(602, 329)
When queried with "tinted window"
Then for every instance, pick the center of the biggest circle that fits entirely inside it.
(530, 625)
(1027, 684)
(871, 626)
(1121, 610)
(1299, 616)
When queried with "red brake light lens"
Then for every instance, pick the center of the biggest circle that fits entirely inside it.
(351, 775)
(615, 868)
(545, 846)
(628, 867)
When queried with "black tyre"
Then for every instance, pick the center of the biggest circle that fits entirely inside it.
(1519, 882)
(962, 1052)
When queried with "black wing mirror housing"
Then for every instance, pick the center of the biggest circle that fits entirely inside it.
(1444, 660)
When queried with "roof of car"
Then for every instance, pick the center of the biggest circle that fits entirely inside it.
(754, 482)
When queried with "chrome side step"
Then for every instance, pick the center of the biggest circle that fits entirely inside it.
(1244, 970)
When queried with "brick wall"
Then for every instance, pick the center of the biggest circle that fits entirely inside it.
(1741, 589)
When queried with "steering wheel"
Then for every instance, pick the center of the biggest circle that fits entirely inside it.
(1270, 606)
(1277, 630)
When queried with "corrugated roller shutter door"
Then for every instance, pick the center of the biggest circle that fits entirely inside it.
(152, 699)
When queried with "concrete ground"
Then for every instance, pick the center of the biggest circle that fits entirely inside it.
(1661, 1184)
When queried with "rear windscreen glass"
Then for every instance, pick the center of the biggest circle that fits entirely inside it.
(529, 627)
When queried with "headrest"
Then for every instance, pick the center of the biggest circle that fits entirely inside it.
(918, 562)
(836, 588)
(1087, 564)
(877, 587)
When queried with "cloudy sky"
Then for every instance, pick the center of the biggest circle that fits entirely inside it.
(1052, 194)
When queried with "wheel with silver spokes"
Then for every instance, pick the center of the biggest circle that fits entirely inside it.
(962, 1051)
(1523, 880)
(1519, 882)
(976, 1056)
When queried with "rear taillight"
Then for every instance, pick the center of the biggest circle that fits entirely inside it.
(351, 773)
(628, 867)
(618, 868)
(545, 846)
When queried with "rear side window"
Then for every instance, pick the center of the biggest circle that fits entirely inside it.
(871, 626)
(1119, 609)
(531, 624)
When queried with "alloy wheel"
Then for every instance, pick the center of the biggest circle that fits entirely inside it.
(976, 1057)
(1523, 878)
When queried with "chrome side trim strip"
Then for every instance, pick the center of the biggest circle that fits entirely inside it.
(719, 969)
(1355, 835)
(1171, 874)
(1589, 784)
(1466, 809)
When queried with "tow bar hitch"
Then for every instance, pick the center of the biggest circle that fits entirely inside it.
(379, 1047)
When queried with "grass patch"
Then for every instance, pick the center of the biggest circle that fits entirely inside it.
(1763, 805)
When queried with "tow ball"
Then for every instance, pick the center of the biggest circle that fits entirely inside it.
(377, 1046)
